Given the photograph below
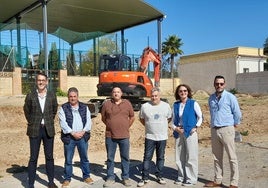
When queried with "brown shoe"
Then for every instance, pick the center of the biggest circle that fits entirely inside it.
(89, 181)
(212, 184)
(65, 184)
(233, 186)
(53, 186)
(126, 182)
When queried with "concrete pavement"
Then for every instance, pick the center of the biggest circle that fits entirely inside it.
(252, 164)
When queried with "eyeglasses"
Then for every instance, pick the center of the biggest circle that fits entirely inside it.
(218, 84)
(41, 80)
(185, 90)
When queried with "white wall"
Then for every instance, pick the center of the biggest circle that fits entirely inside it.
(254, 64)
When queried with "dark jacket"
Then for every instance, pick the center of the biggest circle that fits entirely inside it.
(34, 115)
(69, 119)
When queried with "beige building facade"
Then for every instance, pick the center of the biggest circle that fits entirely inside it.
(244, 68)
(11, 83)
(199, 70)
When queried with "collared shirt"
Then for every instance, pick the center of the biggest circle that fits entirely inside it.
(42, 101)
(224, 111)
(77, 121)
(118, 118)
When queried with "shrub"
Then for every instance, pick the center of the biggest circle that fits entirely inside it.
(244, 133)
(61, 93)
(26, 88)
(233, 91)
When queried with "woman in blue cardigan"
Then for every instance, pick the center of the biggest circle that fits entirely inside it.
(187, 117)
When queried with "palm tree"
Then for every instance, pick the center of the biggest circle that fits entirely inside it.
(172, 47)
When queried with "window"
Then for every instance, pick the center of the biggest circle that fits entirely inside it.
(265, 66)
(245, 70)
(140, 79)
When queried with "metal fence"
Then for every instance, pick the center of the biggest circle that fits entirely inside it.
(28, 80)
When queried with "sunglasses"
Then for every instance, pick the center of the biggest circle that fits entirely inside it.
(218, 84)
(185, 90)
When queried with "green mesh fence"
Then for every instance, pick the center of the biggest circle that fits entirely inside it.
(20, 46)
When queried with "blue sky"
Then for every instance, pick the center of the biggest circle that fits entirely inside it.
(205, 25)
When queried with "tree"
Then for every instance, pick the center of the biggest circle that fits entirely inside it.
(87, 65)
(105, 45)
(171, 47)
(41, 59)
(53, 58)
(71, 65)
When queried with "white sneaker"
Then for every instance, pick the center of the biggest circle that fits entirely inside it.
(142, 183)
(108, 183)
(161, 181)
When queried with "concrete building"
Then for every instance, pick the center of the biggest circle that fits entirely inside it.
(235, 64)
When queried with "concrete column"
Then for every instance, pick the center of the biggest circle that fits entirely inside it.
(16, 81)
(63, 80)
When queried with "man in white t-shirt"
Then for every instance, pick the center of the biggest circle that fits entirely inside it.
(155, 116)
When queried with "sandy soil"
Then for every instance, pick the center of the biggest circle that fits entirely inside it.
(14, 144)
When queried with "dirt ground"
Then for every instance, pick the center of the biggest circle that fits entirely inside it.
(14, 144)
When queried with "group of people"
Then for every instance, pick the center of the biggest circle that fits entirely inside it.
(184, 118)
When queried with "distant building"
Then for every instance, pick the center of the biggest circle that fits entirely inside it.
(199, 70)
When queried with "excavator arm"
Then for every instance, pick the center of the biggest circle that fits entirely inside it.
(149, 55)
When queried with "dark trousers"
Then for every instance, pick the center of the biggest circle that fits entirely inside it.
(35, 143)
(150, 147)
(111, 145)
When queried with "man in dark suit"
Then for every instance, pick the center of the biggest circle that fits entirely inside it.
(40, 109)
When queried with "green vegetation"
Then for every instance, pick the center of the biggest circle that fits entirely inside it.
(171, 47)
(233, 91)
(60, 93)
(244, 133)
(26, 88)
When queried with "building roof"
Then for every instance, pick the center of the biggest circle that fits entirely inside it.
(81, 16)
(223, 54)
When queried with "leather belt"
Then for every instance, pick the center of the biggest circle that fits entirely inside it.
(218, 127)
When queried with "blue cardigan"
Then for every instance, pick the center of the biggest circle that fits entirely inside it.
(189, 117)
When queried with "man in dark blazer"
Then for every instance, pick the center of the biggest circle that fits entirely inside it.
(40, 109)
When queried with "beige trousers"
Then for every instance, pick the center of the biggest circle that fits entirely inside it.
(186, 158)
(223, 139)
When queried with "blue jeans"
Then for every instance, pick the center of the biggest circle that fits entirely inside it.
(82, 147)
(48, 143)
(111, 145)
(150, 146)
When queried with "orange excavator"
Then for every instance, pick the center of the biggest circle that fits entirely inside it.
(118, 70)
(131, 77)
(149, 55)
